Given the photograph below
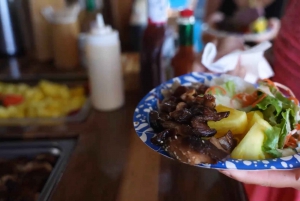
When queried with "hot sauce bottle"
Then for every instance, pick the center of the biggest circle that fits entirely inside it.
(184, 58)
(157, 46)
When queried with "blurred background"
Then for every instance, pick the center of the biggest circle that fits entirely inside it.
(71, 70)
(29, 37)
(135, 45)
(121, 15)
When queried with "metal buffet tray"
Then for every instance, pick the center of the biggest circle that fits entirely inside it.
(62, 149)
(81, 115)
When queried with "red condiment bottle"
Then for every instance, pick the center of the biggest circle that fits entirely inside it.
(157, 46)
(183, 60)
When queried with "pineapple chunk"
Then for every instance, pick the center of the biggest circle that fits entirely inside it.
(250, 148)
(51, 89)
(236, 122)
(77, 92)
(260, 25)
(253, 117)
(3, 113)
(76, 103)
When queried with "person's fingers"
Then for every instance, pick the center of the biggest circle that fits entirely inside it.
(224, 46)
(274, 25)
(198, 67)
(272, 178)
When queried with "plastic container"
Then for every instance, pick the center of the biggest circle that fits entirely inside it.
(65, 31)
(103, 57)
(42, 29)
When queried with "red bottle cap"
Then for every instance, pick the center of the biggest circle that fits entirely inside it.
(186, 13)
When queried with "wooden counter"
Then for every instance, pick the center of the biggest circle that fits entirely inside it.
(111, 163)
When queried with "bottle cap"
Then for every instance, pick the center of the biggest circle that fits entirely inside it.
(139, 13)
(186, 13)
(102, 34)
(186, 17)
(90, 5)
(99, 26)
(158, 11)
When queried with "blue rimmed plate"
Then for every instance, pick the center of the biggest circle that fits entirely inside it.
(145, 132)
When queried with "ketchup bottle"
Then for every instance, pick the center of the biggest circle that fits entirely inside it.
(183, 61)
(157, 46)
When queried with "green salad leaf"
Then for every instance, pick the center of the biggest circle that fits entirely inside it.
(280, 112)
(271, 105)
(229, 86)
(270, 145)
(232, 85)
(285, 126)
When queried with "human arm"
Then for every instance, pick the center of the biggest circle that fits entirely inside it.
(270, 178)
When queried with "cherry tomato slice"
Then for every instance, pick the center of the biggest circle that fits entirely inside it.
(8, 100)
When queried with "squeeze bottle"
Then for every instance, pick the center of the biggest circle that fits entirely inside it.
(103, 57)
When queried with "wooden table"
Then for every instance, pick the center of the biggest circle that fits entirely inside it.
(111, 163)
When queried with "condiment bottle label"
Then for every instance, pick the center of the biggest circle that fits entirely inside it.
(158, 10)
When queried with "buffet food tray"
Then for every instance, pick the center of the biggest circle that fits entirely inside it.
(79, 116)
(61, 149)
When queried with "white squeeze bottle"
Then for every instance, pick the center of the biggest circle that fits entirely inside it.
(103, 56)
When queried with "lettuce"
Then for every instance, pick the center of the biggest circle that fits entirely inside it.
(286, 127)
(271, 108)
(280, 112)
(229, 86)
(270, 144)
(232, 86)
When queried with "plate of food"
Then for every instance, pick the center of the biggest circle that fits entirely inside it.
(247, 24)
(221, 122)
(44, 103)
